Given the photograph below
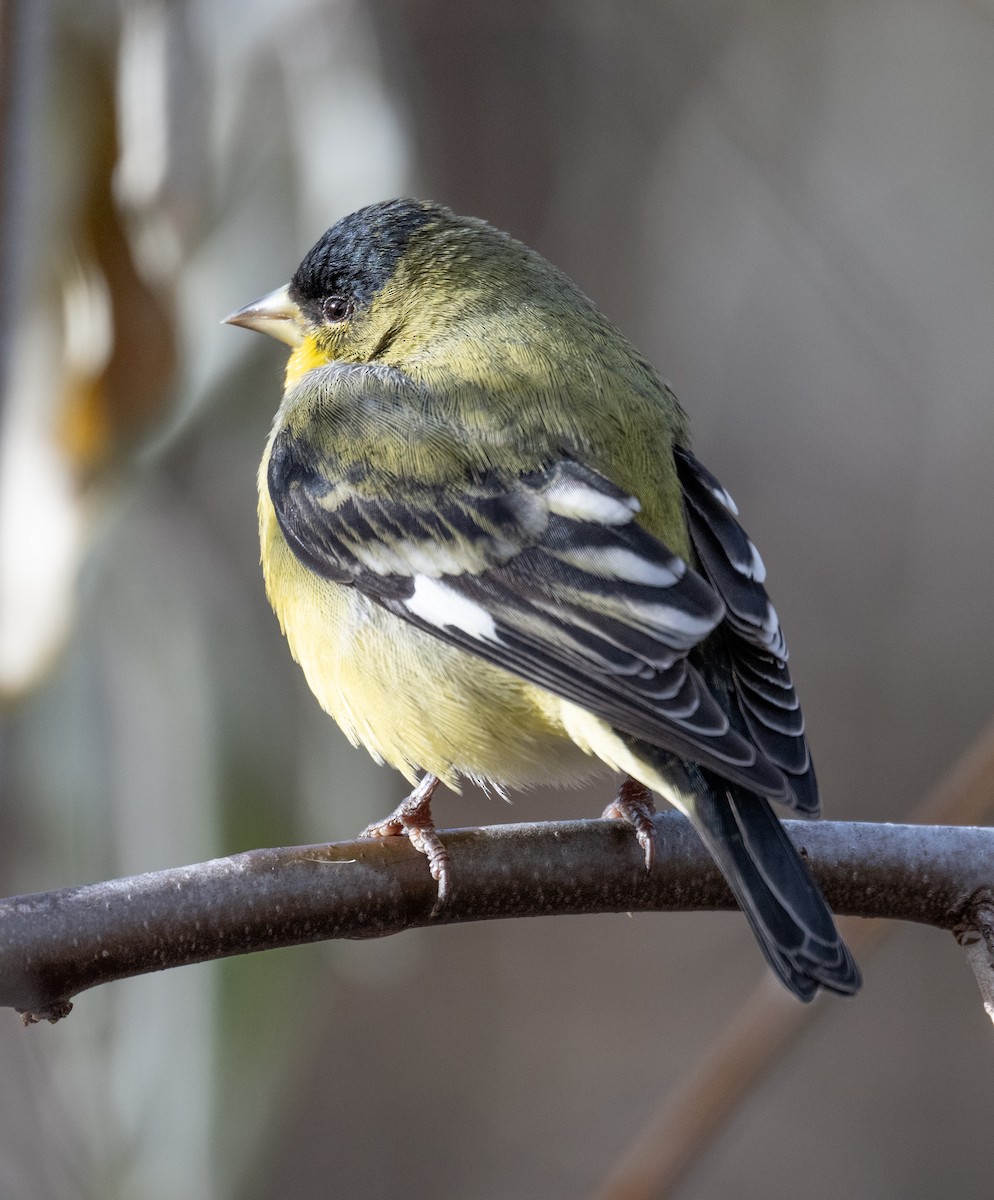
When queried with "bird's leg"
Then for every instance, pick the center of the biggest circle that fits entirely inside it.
(412, 817)
(634, 805)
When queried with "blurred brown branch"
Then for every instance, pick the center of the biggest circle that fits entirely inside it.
(56, 944)
(22, 31)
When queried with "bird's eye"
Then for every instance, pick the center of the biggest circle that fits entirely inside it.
(335, 308)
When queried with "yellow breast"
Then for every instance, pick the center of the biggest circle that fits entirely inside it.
(412, 700)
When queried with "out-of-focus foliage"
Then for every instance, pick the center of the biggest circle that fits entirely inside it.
(790, 208)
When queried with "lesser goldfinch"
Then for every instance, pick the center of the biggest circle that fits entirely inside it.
(496, 558)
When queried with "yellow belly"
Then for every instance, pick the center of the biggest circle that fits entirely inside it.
(412, 700)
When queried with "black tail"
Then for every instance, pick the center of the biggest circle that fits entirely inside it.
(787, 912)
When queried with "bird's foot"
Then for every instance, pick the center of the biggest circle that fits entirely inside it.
(412, 818)
(633, 804)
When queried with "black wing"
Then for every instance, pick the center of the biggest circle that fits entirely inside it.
(547, 575)
(761, 682)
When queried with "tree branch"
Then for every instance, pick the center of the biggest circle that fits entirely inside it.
(54, 945)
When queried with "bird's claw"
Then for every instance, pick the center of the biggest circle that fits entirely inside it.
(412, 819)
(633, 804)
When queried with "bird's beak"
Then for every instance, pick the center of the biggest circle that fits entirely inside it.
(275, 314)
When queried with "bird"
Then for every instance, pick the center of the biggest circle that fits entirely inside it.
(497, 559)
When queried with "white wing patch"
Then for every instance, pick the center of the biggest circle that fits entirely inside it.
(725, 499)
(444, 607)
(580, 502)
(673, 626)
(774, 636)
(626, 564)
(618, 562)
(757, 568)
(430, 559)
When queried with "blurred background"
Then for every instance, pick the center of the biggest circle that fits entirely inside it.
(789, 207)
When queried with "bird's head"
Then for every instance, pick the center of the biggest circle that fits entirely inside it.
(389, 282)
